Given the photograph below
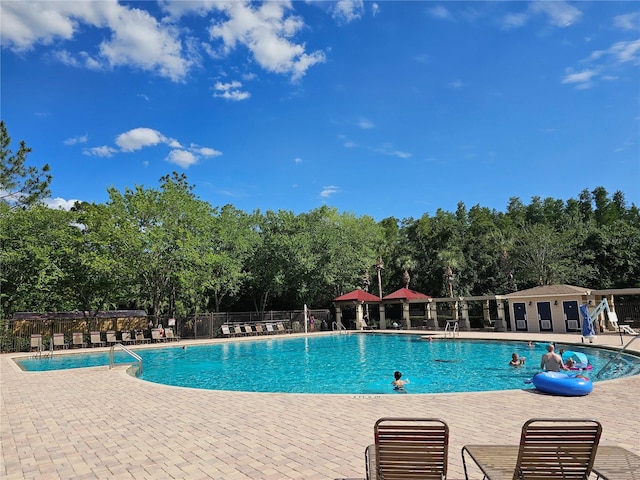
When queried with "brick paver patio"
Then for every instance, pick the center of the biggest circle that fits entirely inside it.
(101, 423)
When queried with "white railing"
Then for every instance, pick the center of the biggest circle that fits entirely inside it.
(451, 329)
(137, 357)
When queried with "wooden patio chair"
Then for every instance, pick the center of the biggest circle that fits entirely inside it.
(408, 448)
(549, 449)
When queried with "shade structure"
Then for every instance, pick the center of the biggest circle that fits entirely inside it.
(357, 296)
(406, 294)
(587, 323)
(580, 359)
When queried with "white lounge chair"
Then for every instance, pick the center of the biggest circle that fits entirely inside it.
(58, 341)
(613, 320)
(96, 340)
(36, 342)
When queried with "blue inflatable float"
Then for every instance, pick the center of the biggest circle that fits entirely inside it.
(558, 383)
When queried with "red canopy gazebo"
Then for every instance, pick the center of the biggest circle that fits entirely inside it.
(358, 298)
(406, 296)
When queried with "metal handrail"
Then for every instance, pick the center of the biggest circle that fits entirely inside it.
(620, 352)
(338, 326)
(453, 330)
(126, 350)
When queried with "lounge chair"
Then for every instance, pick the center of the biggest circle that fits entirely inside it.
(226, 331)
(259, 329)
(613, 320)
(78, 339)
(140, 338)
(96, 339)
(248, 329)
(111, 337)
(549, 449)
(126, 337)
(408, 448)
(58, 341)
(270, 329)
(156, 335)
(36, 342)
(281, 328)
(238, 330)
(170, 335)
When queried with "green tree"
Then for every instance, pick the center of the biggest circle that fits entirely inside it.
(20, 184)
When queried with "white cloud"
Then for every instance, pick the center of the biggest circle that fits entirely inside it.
(365, 124)
(230, 91)
(182, 158)
(582, 79)
(328, 191)
(350, 144)
(266, 31)
(387, 149)
(440, 12)
(74, 140)
(138, 138)
(143, 96)
(629, 21)
(557, 13)
(141, 137)
(456, 84)
(103, 151)
(135, 37)
(348, 10)
(205, 151)
(375, 9)
(603, 64)
(297, 160)
(60, 203)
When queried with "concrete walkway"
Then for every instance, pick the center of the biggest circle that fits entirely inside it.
(100, 423)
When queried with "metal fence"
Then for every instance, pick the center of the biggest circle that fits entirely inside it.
(15, 334)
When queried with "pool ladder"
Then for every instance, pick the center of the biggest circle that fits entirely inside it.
(620, 352)
(451, 329)
(341, 327)
(137, 357)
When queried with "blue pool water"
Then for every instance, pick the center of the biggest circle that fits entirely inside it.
(353, 364)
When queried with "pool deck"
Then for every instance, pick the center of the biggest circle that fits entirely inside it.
(100, 423)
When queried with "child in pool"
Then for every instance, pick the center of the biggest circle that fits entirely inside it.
(398, 383)
(516, 361)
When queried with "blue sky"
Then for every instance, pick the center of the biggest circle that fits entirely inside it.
(378, 108)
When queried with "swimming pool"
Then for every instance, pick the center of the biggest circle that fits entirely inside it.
(342, 364)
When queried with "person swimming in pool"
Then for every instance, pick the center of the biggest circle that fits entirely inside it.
(517, 361)
(398, 383)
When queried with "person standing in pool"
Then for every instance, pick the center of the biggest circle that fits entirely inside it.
(398, 383)
(517, 361)
(551, 361)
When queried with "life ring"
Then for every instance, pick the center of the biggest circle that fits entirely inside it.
(558, 383)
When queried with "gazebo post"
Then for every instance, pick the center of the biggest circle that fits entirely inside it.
(500, 325)
(405, 315)
(464, 324)
(359, 315)
(383, 318)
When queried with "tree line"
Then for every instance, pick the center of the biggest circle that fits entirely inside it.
(168, 252)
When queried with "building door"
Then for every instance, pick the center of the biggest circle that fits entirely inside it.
(571, 316)
(544, 316)
(520, 315)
